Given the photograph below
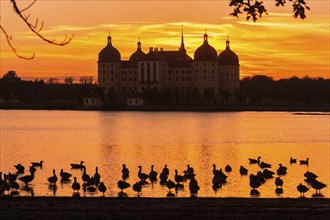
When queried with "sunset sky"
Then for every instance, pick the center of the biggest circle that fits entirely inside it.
(277, 45)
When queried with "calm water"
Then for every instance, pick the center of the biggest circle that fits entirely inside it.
(109, 139)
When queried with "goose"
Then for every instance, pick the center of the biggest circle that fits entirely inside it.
(75, 185)
(304, 162)
(254, 161)
(53, 179)
(13, 176)
(281, 170)
(310, 176)
(26, 179)
(32, 169)
(102, 188)
(37, 164)
(278, 182)
(152, 174)
(14, 186)
(125, 170)
(123, 185)
(178, 178)
(97, 176)
(65, 175)
(193, 185)
(267, 173)
(263, 165)
(243, 170)
(141, 175)
(228, 168)
(254, 182)
(137, 187)
(20, 168)
(260, 177)
(77, 166)
(189, 172)
(85, 177)
(163, 178)
(166, 170)
(317, 185)
(170, 185)
(293, 160)
(302, 189)
(215, 171)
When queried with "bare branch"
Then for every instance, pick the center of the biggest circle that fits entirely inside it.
(9, 38)
(34, 29)
(28, 6)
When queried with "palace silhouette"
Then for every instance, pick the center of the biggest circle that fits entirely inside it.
(175, 72)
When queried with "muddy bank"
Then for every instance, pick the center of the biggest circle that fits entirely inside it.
(163, 208)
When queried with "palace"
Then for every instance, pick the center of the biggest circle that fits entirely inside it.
(170, 71)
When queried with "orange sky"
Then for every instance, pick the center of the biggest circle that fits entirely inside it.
(278, 45)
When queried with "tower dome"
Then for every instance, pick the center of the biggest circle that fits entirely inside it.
(138, 54)
(109, 53)
(205, 52)
(228, 57)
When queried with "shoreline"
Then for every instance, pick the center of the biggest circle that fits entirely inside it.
(163, 208)
(170, 108)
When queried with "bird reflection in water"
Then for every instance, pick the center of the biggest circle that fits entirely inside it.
(28, 189)
(53, 189)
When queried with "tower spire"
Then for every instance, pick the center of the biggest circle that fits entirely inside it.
(109, 38)
(139, 44)
(205, 37)
(227, 43)
(182, 42)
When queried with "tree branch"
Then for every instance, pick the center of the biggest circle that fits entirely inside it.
(33, 28)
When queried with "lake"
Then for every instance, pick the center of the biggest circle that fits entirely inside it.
(200, 139)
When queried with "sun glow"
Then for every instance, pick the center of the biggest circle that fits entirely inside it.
(277, 45)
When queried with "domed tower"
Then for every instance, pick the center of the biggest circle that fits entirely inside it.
(205, 67)
(108, 66)
(228, 71)
(138, 54)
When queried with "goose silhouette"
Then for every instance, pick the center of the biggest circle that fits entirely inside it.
(215, 171)
(77, 166)
(254, 161)
(75, 185)
(170, 185)
(189, 172)
(141, 175)
(193, 185)
(243, 170)
(137, 188)
(264, 165)
(178, 178)
(228, 168)
(53, 179)
(281, 170)
(293, 160)
(302, 189)
(26, 179)
(32, 169)
(102, 188)
(152, 174)
(317, 185)
(97, 177)
(37, 164)
(20, 168)
(166, 170)
(85, 177)
(278, 182)
(125, 170)
(304, 162)
(65, 175)
(122, 184)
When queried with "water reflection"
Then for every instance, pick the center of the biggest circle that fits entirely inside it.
(108, 140)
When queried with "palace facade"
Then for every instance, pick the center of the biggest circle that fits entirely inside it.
(171, 71)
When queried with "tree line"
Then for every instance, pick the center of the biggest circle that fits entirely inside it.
(258, 89)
